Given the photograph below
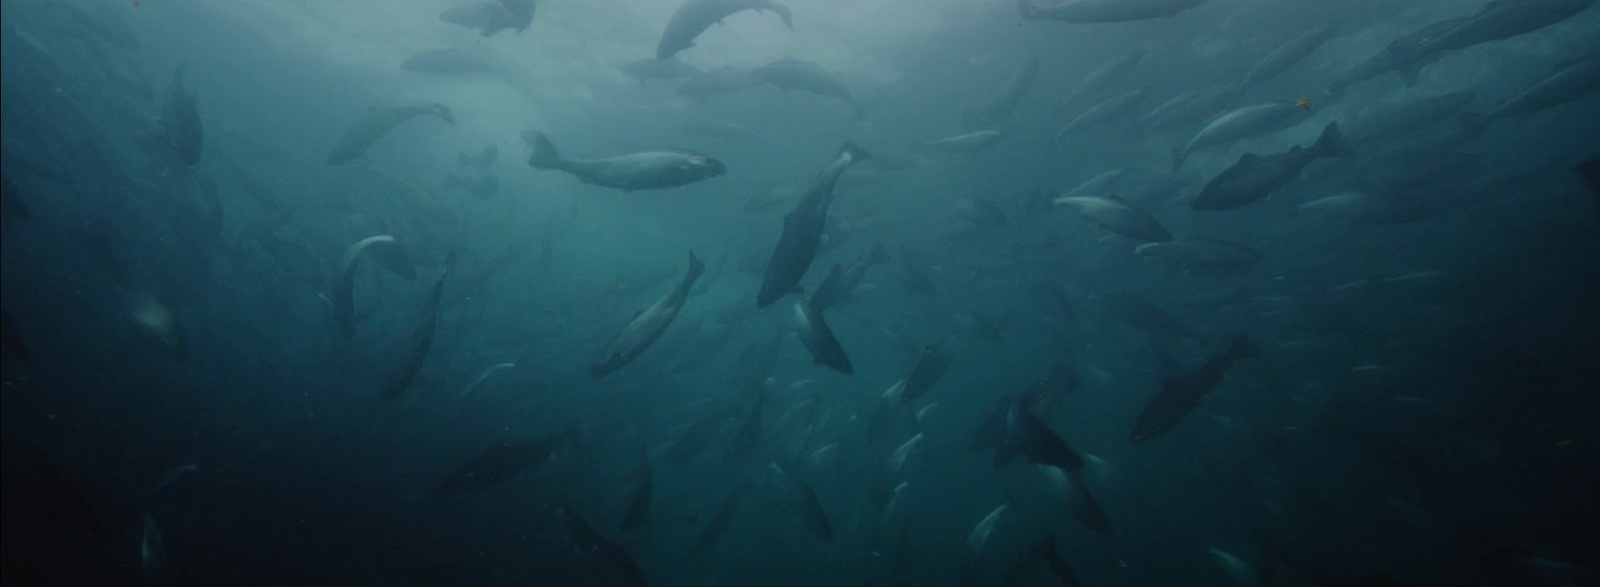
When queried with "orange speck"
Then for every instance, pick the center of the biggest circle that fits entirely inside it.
(1304, 103)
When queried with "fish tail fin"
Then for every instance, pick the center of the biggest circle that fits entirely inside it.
(1473, 124)
(443, 112)
(1027, 10)
(880, 253)
(1331, 143)
(783, 12)
(545, 155)
(857, 154)
(1242, 347)
(696, 267)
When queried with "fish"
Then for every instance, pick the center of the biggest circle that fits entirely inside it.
(1288, 54)
(404, 373)
(151, 316)
(644, 170)
(997, 107)
(802, 230)
(605, 562)
(1254, 177)
(450, 61)
(483, 376)
(481, 186)
(503, 461)
(376, 123)
(842, 280)
(344, 307)
(1239, 573)
(638, 511)
(1106, 111)
(1406, 118)
(645, 70)
(980, 214)
(1385, 61)
(897, 459)
(488, 17)
(718, 128)
(1242, 123)
(803, 499)
(152, 550)
(1116, 215)
(1496, 21)
(1028, 437)
(1104, 76)
(973, 553)
(1206, 255)
(693, 17)
(1099, 11)
(1139, 312)
(1182, 395)
(647, 325)
(1577, 79)
(793, 74)
(180, 120)
(482, 160)
(977, 140)
(819, 340)
(1050, 294)
(1043, 550)
(718, 82)
(718, 522)
(698, 435)
(1189, 107)
(932, 363)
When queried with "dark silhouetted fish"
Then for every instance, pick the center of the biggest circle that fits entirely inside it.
(343, 289)
(1405, 118)
(447, 62)
(932, 363)
(645, 170)
(376, 123)
(1181, 396)
(1385, 61)
(605, 562)
(647, 325)
(803, 499)
(802, 230)
(180, 120)
(818, 338)
(502, 462)
(998, 106)
(1496, 21)
(718, 522)
(1092, 11)
(1577, 79)
(491, 16)
(1253, 177)
(843, 281)
(1032, 439)
(695, 16)
(403, 373)
(1139, 312)
(1289, 54)
(1242, 123)
(793, 74)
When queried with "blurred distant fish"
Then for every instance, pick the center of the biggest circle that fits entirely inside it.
(1029, 437)
(718, 522)
(998, 106)
(695, 16)
(1090, 11)
(402, 374)
(342, 292)
(378, 122)
(965, 143)
(447, 62)
(1385, 61)
(1139, 312)
(148, 312)
(488, 17)
(1182, 395)
(1407, 117)
(843, 280)
(645, 70)
(479, 186)
(1243, 123)
(1289, 54)
(1239, 573)
(1575, 80)
(1254, 177)
(803, 499)
(152, 550)
(1189, 107)
(502, 462)
(793, 74)
(482, 377)
(648, 325)
(1050, 294)
(1118, 216)
(980, 214)
(180, 120)
(1203, 255)
(645, 170)
(1494, 22)
(605, 562)
(718, 128)
(483, 159)
(638, 511)
(818, 338)
(718, 82)
(932, 363)
(802, 230)
(1105, 76)
(973, 554)
(1103, 112)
